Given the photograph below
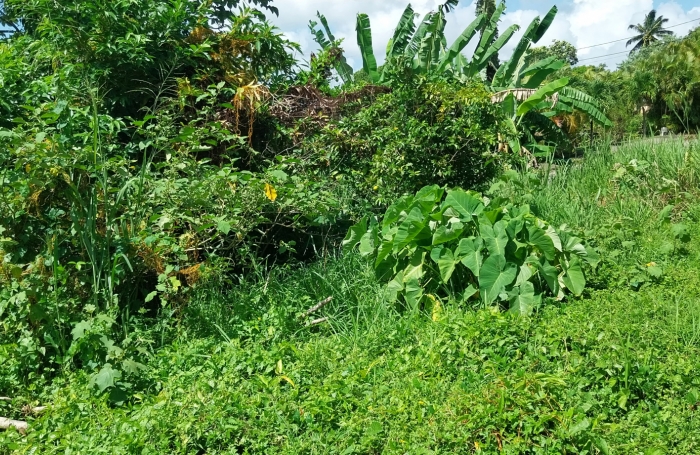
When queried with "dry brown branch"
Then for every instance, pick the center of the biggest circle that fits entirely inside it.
(308, 102)
(6, 424)
(33, 409)
(318, 306)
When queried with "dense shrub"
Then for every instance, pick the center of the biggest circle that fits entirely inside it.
(424, 132)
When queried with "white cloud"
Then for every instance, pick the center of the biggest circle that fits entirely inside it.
(582, 22)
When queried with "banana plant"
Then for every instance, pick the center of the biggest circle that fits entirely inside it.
(328, 42)
(529, 102)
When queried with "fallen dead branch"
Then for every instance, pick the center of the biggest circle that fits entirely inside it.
(318, 321)
(318, 306)
(33, 410)
(19, 425)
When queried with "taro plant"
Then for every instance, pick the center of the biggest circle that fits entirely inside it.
(456, 243)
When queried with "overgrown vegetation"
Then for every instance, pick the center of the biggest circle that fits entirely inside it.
(205, 248)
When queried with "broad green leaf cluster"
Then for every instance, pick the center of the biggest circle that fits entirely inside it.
(456, 242)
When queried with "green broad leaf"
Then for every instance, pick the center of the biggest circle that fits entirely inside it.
(402, 34)
(541, 95)
(515, 227)
(223, 226)
(447, 233)
(468, 205)
(384, 263)
(666, 248)
(352, 238)
(665, 214)
(592, 257)
(427, 197)
(105, 378)
(493, 49)
(469, 253)
(460, 43)
(496, 274)
(577, 428)
(151, 296)
(527, 270)
(655, 271)
(445, 260)
(523, 299)
(395, 287)
(413, 293)
(468, 293)
(395, 211)
(368, 242)
(545, 24)
(495, 238)
(80, 328)
(680, 232)
(280, 175)
(539, 238)
(409, 229)
(550, 275)
(552, 234)
(132, 367)
(574, 280)
(583, 102)
(414, 270)
(364, 41)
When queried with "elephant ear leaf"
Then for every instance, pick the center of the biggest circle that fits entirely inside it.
(364, 41)
(495, 275)
(523, 299)
(445, 260)
(574, 280)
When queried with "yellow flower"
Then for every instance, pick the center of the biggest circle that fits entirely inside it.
(270, 192)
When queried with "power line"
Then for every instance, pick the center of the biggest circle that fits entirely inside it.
(601, 56)
(625, 39)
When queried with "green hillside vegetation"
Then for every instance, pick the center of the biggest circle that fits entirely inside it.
(210, 247)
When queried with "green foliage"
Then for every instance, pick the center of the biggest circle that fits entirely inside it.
(427, 245)
(420, 133)
(561, 50)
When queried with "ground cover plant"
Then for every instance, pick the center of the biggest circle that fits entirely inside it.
(209, 246)
(610, 372)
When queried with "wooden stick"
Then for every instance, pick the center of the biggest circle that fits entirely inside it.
(318, 321)
(318, 306)
(6, 424)
(5, 399)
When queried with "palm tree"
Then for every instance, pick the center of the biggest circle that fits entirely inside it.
(649, 32)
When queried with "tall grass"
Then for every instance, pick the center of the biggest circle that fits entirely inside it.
(270, 304)
(584, 194)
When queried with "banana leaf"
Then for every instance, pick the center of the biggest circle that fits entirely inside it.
(541, 94)
(460, 43)
(364, 41)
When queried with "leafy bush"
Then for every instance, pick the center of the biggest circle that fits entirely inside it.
(468, 247)
(424, 132)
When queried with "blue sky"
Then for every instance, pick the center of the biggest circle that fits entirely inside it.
(584, 23)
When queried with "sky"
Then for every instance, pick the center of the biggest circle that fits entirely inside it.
(583, 23)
